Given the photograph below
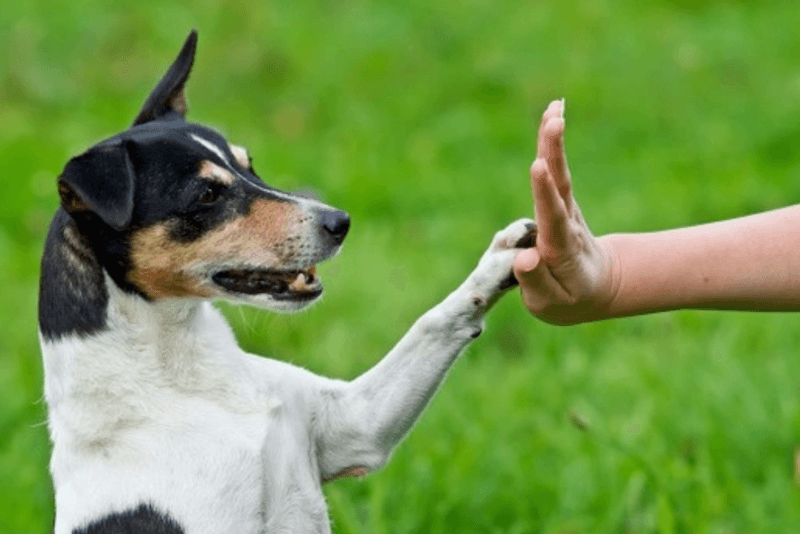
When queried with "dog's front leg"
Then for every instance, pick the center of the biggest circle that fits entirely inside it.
(360, 422)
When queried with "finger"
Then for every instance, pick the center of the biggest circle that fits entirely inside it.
(556, 158)
(551, 212)
(555, 109)
(539, 289)
(526, 261)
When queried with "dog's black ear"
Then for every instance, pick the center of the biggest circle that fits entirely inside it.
(101, 181)
(168, 95)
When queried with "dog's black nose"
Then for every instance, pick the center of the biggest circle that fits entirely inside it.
(336, 223)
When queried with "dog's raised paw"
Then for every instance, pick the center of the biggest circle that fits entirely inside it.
(494, 273)
(519, 234)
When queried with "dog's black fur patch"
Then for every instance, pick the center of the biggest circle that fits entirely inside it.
(72, 291)
(143, 520)
(166, 164)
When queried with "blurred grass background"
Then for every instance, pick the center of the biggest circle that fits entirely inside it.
(419, 117)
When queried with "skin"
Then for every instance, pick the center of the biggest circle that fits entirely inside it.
(750, 263)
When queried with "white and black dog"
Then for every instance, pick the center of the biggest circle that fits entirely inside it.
(160, 422)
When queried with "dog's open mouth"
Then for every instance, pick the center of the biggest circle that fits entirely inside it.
(282, 285)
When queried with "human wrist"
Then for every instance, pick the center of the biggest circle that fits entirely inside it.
(651, 272)
(610, 280)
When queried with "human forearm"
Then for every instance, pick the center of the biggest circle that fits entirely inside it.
(750, 263)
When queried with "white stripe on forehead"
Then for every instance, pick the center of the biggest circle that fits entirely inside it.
(212, 147)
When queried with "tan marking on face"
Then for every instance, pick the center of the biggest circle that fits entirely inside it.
(240, 153)
(162, 283)
(212, 171)
(165, 268)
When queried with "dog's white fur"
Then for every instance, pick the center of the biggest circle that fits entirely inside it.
(163, 407)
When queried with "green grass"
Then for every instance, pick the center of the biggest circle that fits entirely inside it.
(418, 117)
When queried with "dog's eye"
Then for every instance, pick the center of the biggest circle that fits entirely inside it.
(211, 193)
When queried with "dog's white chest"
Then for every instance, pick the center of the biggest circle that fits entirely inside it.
(218, 443)
(205, 476)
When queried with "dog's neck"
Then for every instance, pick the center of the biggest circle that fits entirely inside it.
(91, 329)
(127, 312)
(79, 297)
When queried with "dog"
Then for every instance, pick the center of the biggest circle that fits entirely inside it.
(160, 423)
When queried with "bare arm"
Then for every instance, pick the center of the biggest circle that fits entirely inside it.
(751, 263)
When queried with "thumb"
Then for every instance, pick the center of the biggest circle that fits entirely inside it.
(525, 262)
(540, 290)
(532, 273)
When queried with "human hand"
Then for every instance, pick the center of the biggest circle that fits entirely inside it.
(569, 277)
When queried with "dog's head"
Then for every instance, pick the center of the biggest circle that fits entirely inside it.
(173, 210)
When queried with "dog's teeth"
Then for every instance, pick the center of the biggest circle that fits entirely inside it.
(255, 281)
(299, 283)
